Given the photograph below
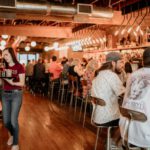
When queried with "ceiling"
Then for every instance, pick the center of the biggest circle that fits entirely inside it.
(46, 28)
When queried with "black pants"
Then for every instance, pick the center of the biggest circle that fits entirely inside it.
(111, 123)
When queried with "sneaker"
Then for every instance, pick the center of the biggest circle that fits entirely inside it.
(10, 141)
(15, 147)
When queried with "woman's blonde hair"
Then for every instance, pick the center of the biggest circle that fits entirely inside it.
(92, 65)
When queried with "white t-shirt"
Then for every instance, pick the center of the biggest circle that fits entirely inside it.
(137, 98)
(108, 87)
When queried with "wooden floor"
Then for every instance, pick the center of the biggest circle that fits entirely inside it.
(49, 126)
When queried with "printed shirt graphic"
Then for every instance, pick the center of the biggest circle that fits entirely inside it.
(16, 70)
(137, 98)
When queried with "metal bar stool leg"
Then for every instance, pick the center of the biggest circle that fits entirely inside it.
(59, 93)
(62, 95)
(75, 108)
(52, 90)
(97, 136)
(108, 138)
(71, 101)
(85, 107)
(81, 109)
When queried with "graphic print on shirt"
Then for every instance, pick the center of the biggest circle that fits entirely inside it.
(137, 86)
(138, 93)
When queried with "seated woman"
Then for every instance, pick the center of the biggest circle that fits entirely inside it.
(107, 86)
(88, 76)
(137, 97)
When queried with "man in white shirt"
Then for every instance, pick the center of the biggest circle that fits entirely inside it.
(107, 86)
(137, 97)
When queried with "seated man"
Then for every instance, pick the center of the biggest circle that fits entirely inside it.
(137, 97)
(107, 86)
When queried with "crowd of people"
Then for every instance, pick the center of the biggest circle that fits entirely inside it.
(107, 79)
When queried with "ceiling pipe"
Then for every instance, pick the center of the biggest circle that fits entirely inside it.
(50, 9)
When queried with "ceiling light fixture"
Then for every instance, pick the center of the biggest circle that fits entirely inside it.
(141, 32)
(123, 31)
(33, 43)
(55, 45)
(129, 30)
(3, 42)
(46, 48)
(117, 32)
(4, 36)
(139, 24)
(27, 48)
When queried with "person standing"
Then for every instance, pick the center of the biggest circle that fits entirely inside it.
(12, 96)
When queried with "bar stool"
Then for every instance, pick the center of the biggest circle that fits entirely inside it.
(85, 101)
(70, 90)
(101, 102)
(52, 84)
(132, 115)
(62, 89)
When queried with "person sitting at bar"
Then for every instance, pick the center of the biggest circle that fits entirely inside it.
(108, 86)
(88, 76)
(137, 98)
(55, 68)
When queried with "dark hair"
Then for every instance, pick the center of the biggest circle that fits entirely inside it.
(64, 61)
(105, 66)
(13, 55)
(54, 58)
(128, 68)
(146, 57)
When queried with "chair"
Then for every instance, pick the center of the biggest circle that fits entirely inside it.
(132, 115)
(62, 89)
(85, 101)
(101, 102)
(52, 84)
(71, 89)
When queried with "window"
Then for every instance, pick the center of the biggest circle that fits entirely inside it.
(23, 58)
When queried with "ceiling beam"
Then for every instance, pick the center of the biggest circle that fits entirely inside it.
(37, 31)
(44, 17)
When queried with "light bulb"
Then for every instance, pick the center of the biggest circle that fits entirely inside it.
(33, 43)
(137, 29)
(3, 42)
(55, 45)
(129, 30)
(27, 48)
(116, 33)
(141, 32)
(4, 36)
(123, 31)
(46, 48)
(135, 33)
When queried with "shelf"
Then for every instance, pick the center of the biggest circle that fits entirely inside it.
(117, 49)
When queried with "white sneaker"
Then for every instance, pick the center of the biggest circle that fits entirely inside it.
(15, 147)
(10, 141)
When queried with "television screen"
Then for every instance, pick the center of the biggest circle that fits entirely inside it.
(76, 47)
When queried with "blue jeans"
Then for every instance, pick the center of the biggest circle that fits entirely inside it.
(11, 103)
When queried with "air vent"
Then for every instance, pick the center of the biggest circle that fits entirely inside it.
(84, 9)
(7, 3)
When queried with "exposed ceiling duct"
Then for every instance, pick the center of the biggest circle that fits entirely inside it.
(51, 9)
